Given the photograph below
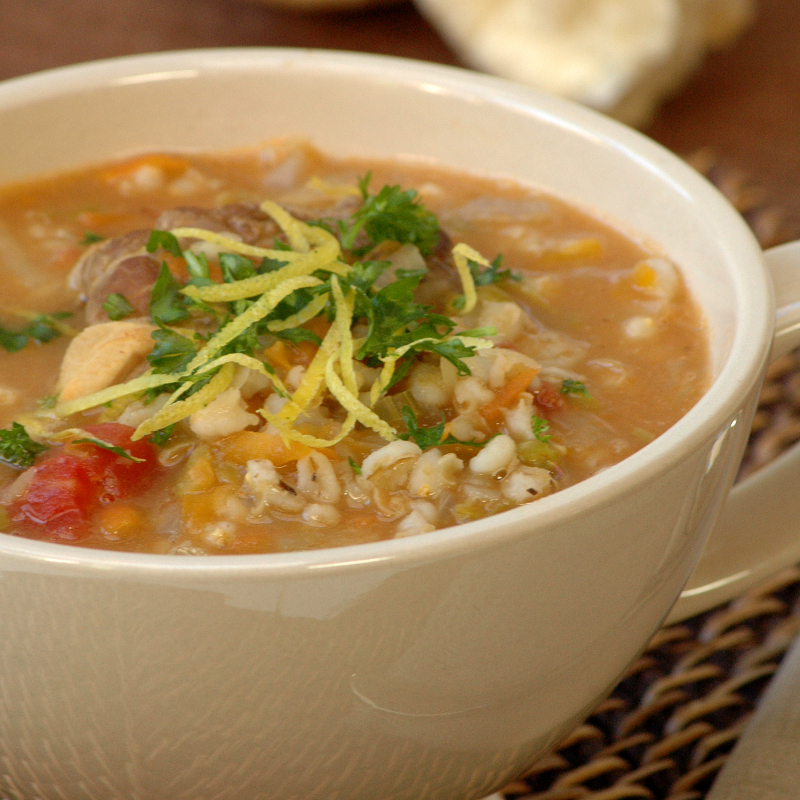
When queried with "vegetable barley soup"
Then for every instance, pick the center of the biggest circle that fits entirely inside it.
(272, 350)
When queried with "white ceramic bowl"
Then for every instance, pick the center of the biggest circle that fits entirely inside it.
(437, 666)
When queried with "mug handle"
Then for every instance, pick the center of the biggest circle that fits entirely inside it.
(758, 530)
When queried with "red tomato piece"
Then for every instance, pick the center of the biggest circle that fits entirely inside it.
(71, 483)
(548, 398)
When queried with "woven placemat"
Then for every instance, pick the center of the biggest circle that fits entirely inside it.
(670, 724)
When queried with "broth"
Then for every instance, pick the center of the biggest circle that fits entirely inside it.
(581, 346)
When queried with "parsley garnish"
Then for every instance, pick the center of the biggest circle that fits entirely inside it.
(17, 448)
(112, 448)
(356, 469)
(540, 427)
(161, 437)
(172, 351)
(486, 277)
(49, 401)
(166, 241)
(393, 214)
(117, 307)
(167, 304)
(42, 328)
(91, 238)
(433, 436)
(570, 386)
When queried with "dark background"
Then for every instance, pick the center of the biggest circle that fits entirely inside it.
(743, 103)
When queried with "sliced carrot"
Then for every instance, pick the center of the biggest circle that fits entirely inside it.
(239, 448)
(278, 355)
(172, 166)
(99, 219)
(507, 395)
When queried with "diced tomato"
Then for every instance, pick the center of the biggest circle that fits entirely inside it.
(71, 483)
(548, 398)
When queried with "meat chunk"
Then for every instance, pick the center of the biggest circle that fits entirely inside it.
(133, 278)
(118, 266)
(102, 355)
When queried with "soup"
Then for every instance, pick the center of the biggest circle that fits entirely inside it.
(273, 350)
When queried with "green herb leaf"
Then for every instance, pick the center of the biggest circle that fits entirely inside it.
(160, 437)
(573, 387)
(172, 351)
(197, 264)
(165, 240)
(50, 401)
(167, 304)
(540, 427)
(296, 335)
(17, 448)
(432, 437)
(486, 277)
(41, 328)
(112, 448)
(117, 307)
(11, 341)
(91, 238)
(356, 469)
(393, 214)
(235, 267)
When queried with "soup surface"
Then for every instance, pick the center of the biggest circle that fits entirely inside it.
(272, 350)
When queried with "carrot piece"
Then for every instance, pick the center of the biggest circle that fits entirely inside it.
(507, 395)
(172, 166)
(99, 219)
(278, 355)
(239, 448)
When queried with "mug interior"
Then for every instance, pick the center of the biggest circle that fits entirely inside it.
(373, 106)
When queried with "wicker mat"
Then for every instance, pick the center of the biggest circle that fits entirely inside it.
(668, 727)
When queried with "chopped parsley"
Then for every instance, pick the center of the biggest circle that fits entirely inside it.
(91, 238)
(393, 214)
(161, 437)
(487, 276)
(433, 436)
(167, 304)
(573, 387)
(41, 328)
(166, 241)
(117, 307)
(540, 427)
(112, 448)
(17, 449)
(356, 469)
(172, 351)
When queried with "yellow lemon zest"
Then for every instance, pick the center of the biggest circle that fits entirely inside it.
(253, 314)
(366, 416)
(140, 384)
(315, 307)
(462, 255)
(176, 411)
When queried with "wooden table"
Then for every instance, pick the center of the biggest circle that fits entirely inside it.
(744, 102)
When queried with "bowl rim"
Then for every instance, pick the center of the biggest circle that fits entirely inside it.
(720, 403)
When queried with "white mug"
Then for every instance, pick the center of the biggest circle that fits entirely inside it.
(437, 666)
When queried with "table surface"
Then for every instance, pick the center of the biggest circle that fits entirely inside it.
(743, 103)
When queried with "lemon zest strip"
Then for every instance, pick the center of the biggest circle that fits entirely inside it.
(176, 411)
(294, 229)
(249, 317)
(309, 311)
(140, 384)
(462, 255)
(366, 416)
(343, 321)
(311, 381)
(235, 246)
